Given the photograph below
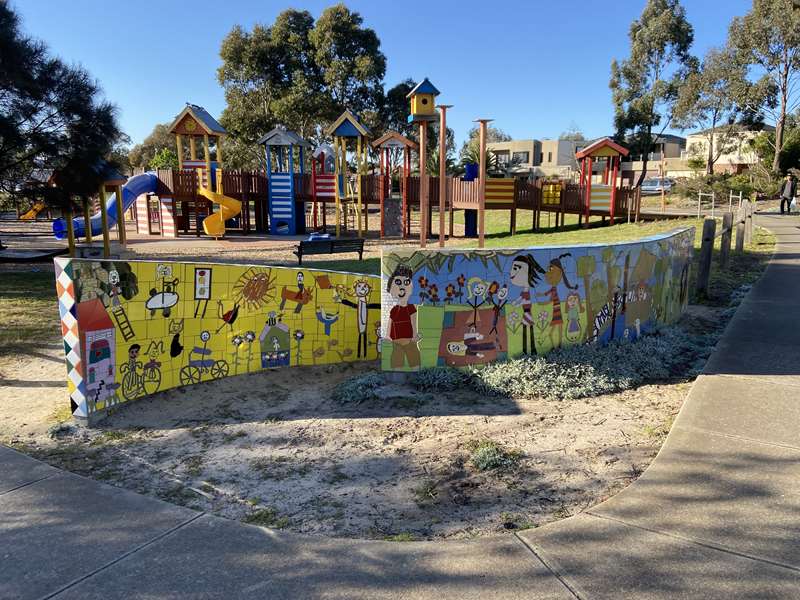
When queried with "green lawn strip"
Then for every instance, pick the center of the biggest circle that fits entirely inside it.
(28, 310)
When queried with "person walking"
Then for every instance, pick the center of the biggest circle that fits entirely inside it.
(788, 193)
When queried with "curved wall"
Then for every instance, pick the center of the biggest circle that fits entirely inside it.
(474, 307)
(133, 328)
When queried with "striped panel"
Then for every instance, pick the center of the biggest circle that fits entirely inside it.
(281, 199)
(142, 225)
(68, 311)
(325, 186)
(499, 191)
(168, 218)
(601, 197)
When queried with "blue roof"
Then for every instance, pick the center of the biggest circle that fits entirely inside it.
(424, 87)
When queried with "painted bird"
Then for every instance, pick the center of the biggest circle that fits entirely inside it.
(229, 317)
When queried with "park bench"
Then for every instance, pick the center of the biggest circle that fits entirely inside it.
(308, 247)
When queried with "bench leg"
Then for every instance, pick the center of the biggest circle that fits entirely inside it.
(299, 260)
(360, 255)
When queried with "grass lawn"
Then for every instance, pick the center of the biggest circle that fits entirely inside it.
(28, 310)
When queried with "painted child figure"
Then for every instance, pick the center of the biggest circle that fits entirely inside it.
(574, 308)
(361, 289)
(472, 345)
(555, 275)
(525, 273)
(403, 320)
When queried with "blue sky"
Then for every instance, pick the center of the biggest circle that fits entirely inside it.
(535, 66)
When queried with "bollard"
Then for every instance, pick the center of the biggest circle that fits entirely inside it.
(725, 241)
(706, 250)
(740, 230)
(748, 223)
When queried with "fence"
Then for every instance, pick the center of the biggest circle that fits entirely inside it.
(744, 234)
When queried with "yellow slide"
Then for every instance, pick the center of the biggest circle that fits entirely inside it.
(31, 214)
(214, 225)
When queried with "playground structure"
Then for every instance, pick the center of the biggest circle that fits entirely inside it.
(600, 198)
(391, 145)
(286, 211)
(349, 127)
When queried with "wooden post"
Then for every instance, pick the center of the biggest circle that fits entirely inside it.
(748, 224)
(192, 148)
(68, 212)
(121, 234)
(101, 193)
(336, 186)
(482, 181)
(87, 221)
(358, 183)
(725, 241)
(706, 250)
(614, 161)
(588, 190)
(179, 148)
(423, 187)
(740, 229)
(442, 167)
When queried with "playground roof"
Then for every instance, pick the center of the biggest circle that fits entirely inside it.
(347, 125)
(602, 147)
(424, 87)
(110, 174)
(207, 122)
(280, 136)
(325, 149)
(392, 139)
(93, 316)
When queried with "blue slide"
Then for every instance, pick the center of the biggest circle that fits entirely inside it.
(146, 183)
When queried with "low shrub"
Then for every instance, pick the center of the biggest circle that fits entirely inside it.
(439, 379)
(358, 389)
(487, 455)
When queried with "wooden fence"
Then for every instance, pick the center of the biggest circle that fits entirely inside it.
(742, 223)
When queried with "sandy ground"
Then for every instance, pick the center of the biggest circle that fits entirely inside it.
(273, 446)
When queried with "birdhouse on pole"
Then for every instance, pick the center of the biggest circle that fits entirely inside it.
(423, 106)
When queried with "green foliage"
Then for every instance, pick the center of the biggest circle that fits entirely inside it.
(166, 158)
(439, 379)
(159, 139)
(470, 151)
(356, 390)
(488, 455)
(266, 517)
(645, 85)
(52, 116)
(590, 369)
(767, 39)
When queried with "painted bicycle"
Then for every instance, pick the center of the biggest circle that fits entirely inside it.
(203, 364)
(135, 384)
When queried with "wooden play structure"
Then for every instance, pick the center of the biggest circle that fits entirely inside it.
(348, 127)
(600, 198)
(391, 146)
(423, 111)
(285, 170)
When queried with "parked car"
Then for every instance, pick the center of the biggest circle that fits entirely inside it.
(656, 185)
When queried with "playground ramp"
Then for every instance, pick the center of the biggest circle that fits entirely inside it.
(214, 224)
(145, 183)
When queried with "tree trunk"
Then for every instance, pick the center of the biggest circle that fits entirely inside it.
(779, 126)
(645, 156)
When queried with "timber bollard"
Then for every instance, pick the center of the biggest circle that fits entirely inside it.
(748, 223)
(725, 241)
(706, 250)
(740, 230)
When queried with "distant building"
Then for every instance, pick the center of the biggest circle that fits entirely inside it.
(538, 158)
(671, 149)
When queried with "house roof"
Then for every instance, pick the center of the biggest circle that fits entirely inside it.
(347, 125)
(736, 127)
(392, 138)
(207, 122)
(280, 136)
(92, 316)
(603, 143)
(424, 87)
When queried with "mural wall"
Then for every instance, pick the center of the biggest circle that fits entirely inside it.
(470, 307)
(133, 328)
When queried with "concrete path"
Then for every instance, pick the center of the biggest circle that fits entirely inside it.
(717, 514)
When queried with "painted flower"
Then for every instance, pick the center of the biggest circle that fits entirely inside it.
(298, 334)
(513, 318)
(250, 336)
(460, 280)
(544, 317)
(423, 281)
(237, 340)
(450, 290)
(493, 287)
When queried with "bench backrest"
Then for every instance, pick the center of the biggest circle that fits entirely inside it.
(320, 246)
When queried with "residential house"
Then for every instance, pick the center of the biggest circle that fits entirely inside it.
(538, 158)
(738, 154)
(669, 154)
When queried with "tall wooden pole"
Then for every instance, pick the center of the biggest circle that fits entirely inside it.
(358, 182)
(120, 216)
(87, 221)
(179, 148)
(482, 180)
(101, 193)
(442, 167)
(70, 229)
(423, 184)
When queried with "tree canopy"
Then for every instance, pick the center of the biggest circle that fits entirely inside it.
(767, 39)
(52, 117)
(645, 85)
(299, 73)
(159, 139)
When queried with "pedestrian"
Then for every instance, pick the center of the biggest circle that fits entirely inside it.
(788, 192)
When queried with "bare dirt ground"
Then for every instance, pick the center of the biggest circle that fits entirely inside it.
(275, 449)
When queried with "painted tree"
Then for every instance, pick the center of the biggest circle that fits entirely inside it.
(586, 266)
(767, 39)
(645, 85)
(52, 116)
(710, 100)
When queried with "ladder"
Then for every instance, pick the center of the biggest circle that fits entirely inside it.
(123, 322)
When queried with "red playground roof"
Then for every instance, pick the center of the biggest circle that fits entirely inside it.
(602, 147)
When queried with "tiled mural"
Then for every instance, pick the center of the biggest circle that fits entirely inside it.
(133, 328)
(469, 307)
